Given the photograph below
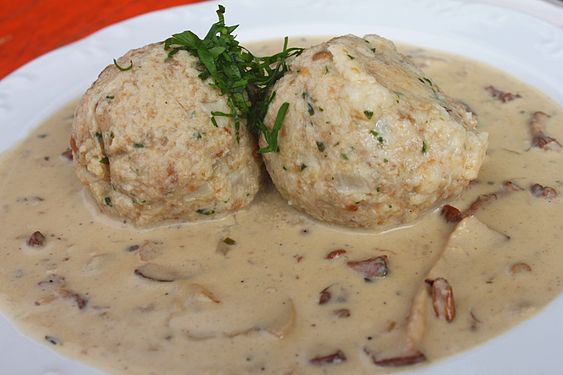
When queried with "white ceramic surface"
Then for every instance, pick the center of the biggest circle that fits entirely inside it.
(525, 46)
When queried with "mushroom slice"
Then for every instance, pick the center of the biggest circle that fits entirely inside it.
(233, 317)
(335, 293)
(58, 286)
(372, 268)
(406, 360)
(281, 324)
(394, 348)
(329, 359)
(537, 126)
(442, 298)
(198, 293)
(160, 273)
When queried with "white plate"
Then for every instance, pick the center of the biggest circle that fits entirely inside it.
(530, 49)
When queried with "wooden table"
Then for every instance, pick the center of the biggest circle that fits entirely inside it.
(30, 28)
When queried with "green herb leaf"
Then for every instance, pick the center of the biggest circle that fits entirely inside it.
(244, 79)
(123, 69)
(229, 241)
(369, 114)
(424, 147)
(104, 160)
(107, 201)
(138, 145)
(321, 146)
(376, 135)
(309, 102)
(205, 211)
(272, 136)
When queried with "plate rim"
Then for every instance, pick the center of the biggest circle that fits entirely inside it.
(515, 347)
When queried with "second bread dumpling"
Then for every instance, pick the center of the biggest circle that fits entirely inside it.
(368, 140)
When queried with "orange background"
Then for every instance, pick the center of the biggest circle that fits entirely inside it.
(30, 28)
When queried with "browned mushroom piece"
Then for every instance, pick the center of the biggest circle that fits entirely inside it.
(442, 298)
(481, 201)
(57, 287)
(541, 191)
(329, 359)
(67, 154)
(336, 253)
(503, 96)
(333, 293)
(324, 296)
(80, 300)
(394, 348)
(159, 273)
(37, 239)
(520, 267)
(406, 360)
(342, 313)
(371, 268)
(511, 186)
(451, 214)
(537, 126)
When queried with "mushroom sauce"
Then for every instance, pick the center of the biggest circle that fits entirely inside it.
(269, 290)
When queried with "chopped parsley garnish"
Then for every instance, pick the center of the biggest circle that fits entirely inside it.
(123, 69)
(109, 97)
(309, 102)
(99, 137)
(104, 160)
(243, 78)
(350, 57)
(302, 166)
(424, 147)
(321, 146)
(229, 241)
(205, 211)
(398, 98)
(107, 201)
(369, 114)
(310, 109)
(343, 156)
(376, 135)
(138, 145)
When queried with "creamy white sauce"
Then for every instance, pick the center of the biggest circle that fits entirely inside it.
(253, 306)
